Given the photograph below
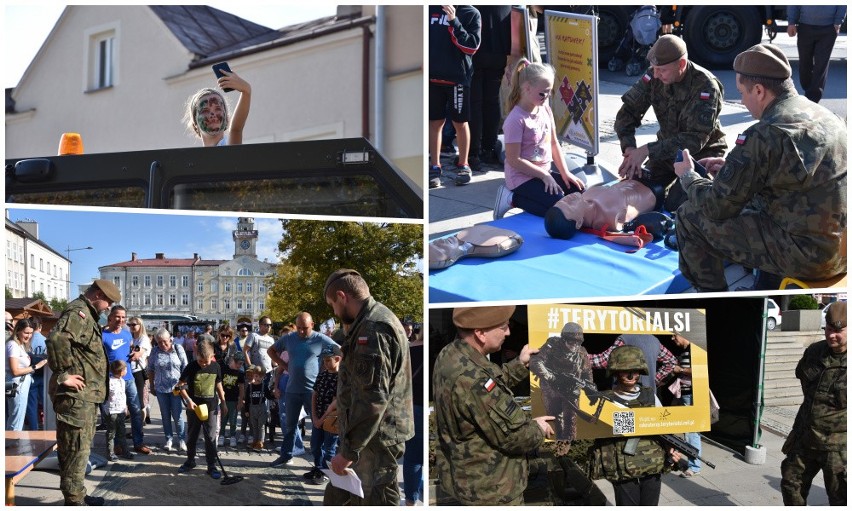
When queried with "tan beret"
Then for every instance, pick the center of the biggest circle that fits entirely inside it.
(109, 289)
(836, 315)
(763, 61)
(482, 317)
(667, 49)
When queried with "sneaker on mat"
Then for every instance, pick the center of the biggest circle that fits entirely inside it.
(503, 203)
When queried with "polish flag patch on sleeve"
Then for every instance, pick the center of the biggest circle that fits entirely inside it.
(81, 314)
(363, 340)
(489, 385)
(704, 96)
(741, 139)
(646, 78)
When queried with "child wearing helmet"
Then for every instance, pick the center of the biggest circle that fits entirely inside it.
(633, 465)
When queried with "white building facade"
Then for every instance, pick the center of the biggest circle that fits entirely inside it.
(33, 266)
(208, 289)
(128, 70)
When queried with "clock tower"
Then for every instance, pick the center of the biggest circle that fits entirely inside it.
(245, 238)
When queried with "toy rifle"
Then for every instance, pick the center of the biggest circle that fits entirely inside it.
(594, 395)
(674, 442)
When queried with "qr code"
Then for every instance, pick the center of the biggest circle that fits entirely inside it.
(623, 423)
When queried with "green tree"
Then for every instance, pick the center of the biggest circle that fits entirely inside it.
(9, 293)
(58, 304)
(386, 255)
(39, 295)
(803, 302)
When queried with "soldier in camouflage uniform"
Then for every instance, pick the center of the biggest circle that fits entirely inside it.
(373, 394)
(634, 476)
(687, 100)
(778, 202)
(818, 439)
(560, 359)
(78, 385)
(483, 434)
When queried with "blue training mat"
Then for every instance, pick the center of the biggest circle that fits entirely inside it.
(549, 268)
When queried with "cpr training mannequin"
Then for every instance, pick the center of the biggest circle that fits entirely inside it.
(611, 208)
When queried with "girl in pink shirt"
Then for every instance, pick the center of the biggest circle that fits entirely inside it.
(529, 134)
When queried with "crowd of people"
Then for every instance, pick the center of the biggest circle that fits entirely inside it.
(357, 420)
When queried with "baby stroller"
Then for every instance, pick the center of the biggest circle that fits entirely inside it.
(640, 35)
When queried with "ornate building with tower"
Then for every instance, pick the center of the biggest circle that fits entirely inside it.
(221, 290)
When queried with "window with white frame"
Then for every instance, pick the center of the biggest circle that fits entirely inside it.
(200, 286)
(103, 53)
(134, 281)
(160, 280)
(227, 287)
(248, 287)
(227, 303)
(184, 280)
(172, 281)
(184, 299)
(239, 304)
(147, 279)
(172, 299)
(146, 300)
(239, 287)
(160, 300)
(214, 304)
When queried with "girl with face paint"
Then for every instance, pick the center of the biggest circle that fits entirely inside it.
(207, 112)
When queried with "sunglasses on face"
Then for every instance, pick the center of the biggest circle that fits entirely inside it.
(225, 336)
(133, 324)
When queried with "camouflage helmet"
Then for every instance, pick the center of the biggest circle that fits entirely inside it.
(627, 358)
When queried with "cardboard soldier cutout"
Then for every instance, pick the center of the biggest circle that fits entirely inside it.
(562, 367)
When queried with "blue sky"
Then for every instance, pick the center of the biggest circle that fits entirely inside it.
(25, 27)
(115, 235)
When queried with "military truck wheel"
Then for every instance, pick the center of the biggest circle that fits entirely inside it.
(714, 35)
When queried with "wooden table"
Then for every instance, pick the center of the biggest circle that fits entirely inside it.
(24, 449)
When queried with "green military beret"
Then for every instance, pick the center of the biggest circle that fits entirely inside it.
(667, 49)
(109, 289)
(763, 61)
(482, 317)
(836, 315)
(335, 275)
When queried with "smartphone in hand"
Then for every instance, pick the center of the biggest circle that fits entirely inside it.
(698, 167)
(217, 70)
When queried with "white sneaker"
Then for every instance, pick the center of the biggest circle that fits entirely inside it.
(503, 203)
(233, 441)
(242, 439)
(168, 446)
(221, 441)
(182, 447)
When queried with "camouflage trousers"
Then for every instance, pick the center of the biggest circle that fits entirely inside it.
(377, 469)
(750, 239)
(75, 429)
(801, 466)
(662, 173)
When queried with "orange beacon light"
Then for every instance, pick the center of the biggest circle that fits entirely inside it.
(70, 143)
